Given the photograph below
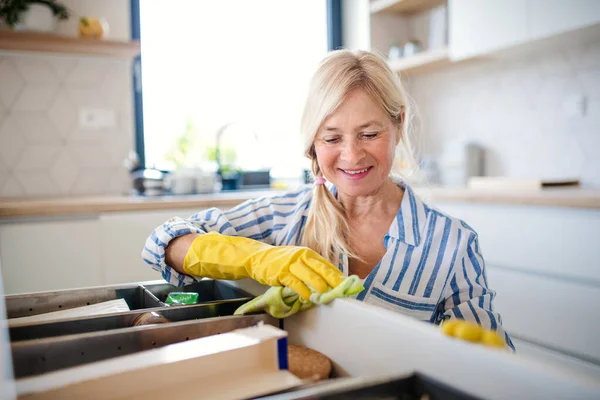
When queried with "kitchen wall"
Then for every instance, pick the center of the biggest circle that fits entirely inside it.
(43, 149)
(520, 108)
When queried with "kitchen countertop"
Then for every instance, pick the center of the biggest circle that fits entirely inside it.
(577, 197)
(33, 207)
(29, 207)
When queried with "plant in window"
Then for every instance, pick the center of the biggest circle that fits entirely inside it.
(12, 11)
(184, 147)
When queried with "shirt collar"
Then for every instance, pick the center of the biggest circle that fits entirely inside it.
(409, 224)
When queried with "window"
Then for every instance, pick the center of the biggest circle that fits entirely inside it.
(243, 65)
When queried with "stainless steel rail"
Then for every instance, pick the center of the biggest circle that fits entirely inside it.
(33, 357)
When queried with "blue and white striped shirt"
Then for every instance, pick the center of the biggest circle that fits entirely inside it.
(433, 268)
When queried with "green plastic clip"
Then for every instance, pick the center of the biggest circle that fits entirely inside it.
(182, 298)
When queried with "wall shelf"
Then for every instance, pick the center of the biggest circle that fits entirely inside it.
(421, 62)
(49, 43)
(403, 6)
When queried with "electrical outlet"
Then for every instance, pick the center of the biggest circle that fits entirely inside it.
(97, 118)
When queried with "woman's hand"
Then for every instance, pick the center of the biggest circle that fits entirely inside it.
(177, 249)
(231, 257)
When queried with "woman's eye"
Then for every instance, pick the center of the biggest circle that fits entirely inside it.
(330, 140)
(369, 135)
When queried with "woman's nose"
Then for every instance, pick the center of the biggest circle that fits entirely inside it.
(352, 152)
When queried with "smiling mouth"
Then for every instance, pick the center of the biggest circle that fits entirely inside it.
(356, 171)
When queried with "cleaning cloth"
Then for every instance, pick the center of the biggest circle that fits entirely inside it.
(282, 302)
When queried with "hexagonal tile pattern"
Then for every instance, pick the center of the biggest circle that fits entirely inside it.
(116, 146)
(42, 149)
(3, 112)
(554, 64)
(64, 172)
(120, 182)
(35, 71)
(36, 183)
(12, 142)
(86, 98)
(88, 156)
(35, 98)
(4, 175)
(522, 118)
(63, 113)
(62, 67)
(87, 74)
(590, 82)
(91, 181)
(590, 58)
(37, 128)
(36, 158)
(12, 188)
(116, 86)
(10, 82)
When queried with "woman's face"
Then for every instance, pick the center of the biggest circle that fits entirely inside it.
(355, 145)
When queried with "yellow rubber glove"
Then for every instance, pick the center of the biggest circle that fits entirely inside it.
(283, 302)
(230, 257)
(472, 332)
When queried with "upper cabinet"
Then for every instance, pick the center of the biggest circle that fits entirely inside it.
(479, 27)
(550, 17)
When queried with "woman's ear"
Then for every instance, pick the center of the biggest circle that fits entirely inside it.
(399, 127)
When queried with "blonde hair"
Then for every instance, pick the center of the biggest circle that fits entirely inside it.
(340, 72)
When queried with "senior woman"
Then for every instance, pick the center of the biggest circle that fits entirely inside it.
(355, 220)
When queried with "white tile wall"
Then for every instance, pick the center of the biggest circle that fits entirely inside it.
(517, 109)
(43, 151)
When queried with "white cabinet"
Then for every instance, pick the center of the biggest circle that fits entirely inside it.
(74, 252)
(544, 264)
(482, 26)
(123, 236)
(50, 255)
(553, 313)
(550, 17)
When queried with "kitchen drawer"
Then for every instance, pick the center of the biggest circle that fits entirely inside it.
(554, 241)
(547, 311)
(39, 356)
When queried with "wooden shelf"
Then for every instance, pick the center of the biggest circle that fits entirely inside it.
(403, 6)
(42, 42)
(421, 62)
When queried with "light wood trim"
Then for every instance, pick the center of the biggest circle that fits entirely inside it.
(551, 197)
(422, 62)
(42, 42)
(403, 6)
(15, 208)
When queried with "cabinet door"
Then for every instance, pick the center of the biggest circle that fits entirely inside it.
(550, 241)
(557, 360)
(478, 27)
(550, 17)
(50, 255)
(547, 311)
(123, 236)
